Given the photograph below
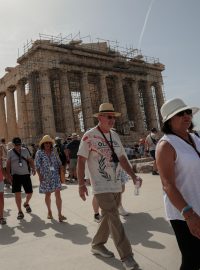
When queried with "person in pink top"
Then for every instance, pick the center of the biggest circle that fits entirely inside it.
(2, 219)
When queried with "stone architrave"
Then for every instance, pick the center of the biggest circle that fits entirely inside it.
(3, 124)
(11, 114)
(86, 102)
(121, 105)
(137, 113)
(48, 121)
(22, 111)
(67, 104)
(103, 88)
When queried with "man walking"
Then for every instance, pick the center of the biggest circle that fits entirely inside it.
(102, 149)
(18, 171)
(150, 143)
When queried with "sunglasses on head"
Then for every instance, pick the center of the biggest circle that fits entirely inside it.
(188, 112)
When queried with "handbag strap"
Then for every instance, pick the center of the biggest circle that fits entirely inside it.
(20, 156)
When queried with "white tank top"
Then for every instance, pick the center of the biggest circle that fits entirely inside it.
(187, 173)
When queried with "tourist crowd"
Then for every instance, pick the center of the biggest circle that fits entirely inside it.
(100, 160)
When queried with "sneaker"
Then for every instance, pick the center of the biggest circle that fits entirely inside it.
(130, 264)
(103, 251)
(122, 211)
(97, 218)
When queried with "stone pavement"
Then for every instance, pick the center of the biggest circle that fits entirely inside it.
(39, 243)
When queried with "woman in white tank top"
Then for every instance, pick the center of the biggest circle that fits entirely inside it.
(178, 161)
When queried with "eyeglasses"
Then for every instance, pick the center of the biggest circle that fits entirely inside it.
(188, 112)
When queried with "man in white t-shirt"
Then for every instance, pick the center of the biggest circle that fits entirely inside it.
(103, 150)
(150, 143)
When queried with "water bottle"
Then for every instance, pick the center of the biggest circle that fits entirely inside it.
(137, 187)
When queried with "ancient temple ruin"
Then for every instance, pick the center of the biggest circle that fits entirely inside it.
(60, 84)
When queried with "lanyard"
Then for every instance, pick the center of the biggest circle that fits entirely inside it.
(111, 142)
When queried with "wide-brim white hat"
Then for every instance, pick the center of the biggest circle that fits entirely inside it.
(46, 138)
(107, 108)
(173, 106)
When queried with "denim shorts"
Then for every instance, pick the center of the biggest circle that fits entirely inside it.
(2, 186)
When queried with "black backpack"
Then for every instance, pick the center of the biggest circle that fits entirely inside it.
(61, 153)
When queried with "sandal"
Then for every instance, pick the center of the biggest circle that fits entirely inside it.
(20, 215)
(28, 209)
(49, 216)
(62, 218)
(2, 221)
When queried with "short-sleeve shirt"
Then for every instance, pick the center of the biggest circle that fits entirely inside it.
(73, 147)
(150, 140)
(15, 160)
(103, 172)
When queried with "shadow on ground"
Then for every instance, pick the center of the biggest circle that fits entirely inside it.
(139, 227)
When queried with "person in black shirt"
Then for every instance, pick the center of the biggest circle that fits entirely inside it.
(72, 150)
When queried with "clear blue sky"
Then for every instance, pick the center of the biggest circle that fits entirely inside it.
(167, 29)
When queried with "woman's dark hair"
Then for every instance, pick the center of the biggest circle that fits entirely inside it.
(166, 128)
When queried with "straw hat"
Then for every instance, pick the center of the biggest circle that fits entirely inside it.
(174, 106)
(106, 108)
(46, 138)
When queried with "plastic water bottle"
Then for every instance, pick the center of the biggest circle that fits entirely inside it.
(137, 187)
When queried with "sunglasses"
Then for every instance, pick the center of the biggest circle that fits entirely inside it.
(188, 112)
(18, 144)
(47, 143)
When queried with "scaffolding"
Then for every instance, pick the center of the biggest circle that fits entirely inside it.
(52, 52)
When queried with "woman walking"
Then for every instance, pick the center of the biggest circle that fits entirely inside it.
(178, 161)
(48, 167)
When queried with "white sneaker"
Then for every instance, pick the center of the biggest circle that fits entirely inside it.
(122, 211)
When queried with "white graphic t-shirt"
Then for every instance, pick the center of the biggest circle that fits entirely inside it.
(103, 172)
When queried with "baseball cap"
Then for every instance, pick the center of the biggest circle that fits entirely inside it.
(16, 140)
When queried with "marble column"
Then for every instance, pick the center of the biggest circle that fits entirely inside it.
(11, 114)
(137, 112)
(103, 88)
(159, 99)
(48, 121)
(120, 105)
(31, 116)
(67, 107)
(149, 106)
(22, 111)
(3, 124)
(86, 102)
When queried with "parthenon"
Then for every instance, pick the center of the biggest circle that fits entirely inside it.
(59, 85)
